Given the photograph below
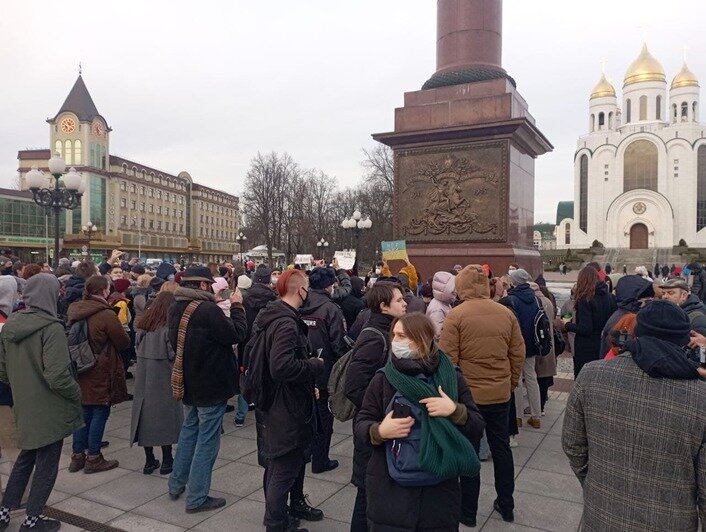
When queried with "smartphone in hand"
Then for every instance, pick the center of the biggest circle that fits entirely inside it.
(400, 410)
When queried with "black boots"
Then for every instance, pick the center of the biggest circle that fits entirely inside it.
(301, 509)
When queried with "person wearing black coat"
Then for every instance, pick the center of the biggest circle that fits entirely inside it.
(209, 378)
(698, 287)
(390, 506)
(327, 331)
(594, 306)
(370, 353)
(630, 291)
(286, 428)
(353, 304)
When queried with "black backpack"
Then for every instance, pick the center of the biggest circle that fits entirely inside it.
(542, 331)
(258, 386)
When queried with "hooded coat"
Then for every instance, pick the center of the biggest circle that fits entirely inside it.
(526, 306)
(290, 421)
(444, 289)
(635, 441)
(628, 290)
(73, 291)
(483, 338)
(104, 383)
(34, 361)
(353, 303)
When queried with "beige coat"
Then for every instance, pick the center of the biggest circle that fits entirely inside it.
(484, 339)
(546, 365)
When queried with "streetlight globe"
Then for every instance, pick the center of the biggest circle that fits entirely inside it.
(325, 244)
(82, 187)
(357, 215)
(344, 223)
(85, 228)
(368, 223)
(56, 164)
(245, 237)
(94, 228)
(72, 180)
(34, 178)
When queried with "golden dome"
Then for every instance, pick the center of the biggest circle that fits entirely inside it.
(644, 68)
(685, 78)
(603, 88)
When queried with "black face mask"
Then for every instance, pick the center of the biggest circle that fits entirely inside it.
(6, 271)
(304, 298)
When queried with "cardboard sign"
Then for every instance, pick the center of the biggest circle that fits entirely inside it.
(394, 250)
(346, 259)
(303, 259)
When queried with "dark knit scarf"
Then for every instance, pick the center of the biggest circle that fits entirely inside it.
(444, 450)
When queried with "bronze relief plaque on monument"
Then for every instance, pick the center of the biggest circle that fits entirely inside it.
(452, 193)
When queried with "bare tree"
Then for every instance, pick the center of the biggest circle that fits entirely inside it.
(379, 167)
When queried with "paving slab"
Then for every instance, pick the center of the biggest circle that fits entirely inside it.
(244, 516)
(174, 512)
(129, 491)
(544, 513)
(238, 479)
(89, 509)
(75, 483)
(554, 461)
(317, 490)
(138, 523)
(550, 485)
(340, 506)
(342, 474)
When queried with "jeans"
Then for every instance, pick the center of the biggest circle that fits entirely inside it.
(281, 476)
(88, 439)
(45, 464)
(359, 521)
(529, 371)
(242, 410)
(496, 429)
(199, 441)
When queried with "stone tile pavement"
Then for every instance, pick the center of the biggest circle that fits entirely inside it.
(547, 495)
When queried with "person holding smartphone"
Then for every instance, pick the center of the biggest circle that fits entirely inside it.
(419, 395)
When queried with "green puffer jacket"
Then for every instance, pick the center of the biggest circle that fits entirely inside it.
(34, 361)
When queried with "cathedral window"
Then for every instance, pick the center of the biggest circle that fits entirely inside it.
(701, 189)
(640, 166)
(628, 111)
(610, 120)
(59, 148)
(68, 159)
(693, 112)
(643, 107)
(567, 234)
(583, 193)
(77, 152)
(684, 111)
(601, 120)
(658, 104)
(674, 112)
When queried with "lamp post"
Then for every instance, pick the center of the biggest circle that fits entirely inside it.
(89, 230)
(65, 194)
(357, 224)
(321, 246)
(138, 223)
(241, 242)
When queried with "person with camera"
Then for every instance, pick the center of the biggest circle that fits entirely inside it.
(418, 401)
(636, 425)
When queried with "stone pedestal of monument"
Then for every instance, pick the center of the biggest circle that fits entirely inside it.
(464, 149)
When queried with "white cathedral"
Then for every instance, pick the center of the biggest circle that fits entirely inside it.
(640, 172)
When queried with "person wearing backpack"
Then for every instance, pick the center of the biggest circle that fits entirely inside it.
(34, 361)
(420, 420)
(385, 302)
(103, 385)
(285, 403)
(526, 306)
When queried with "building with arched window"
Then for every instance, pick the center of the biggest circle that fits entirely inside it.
(640, 171)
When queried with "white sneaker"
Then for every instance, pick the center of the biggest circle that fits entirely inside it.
(513, 441)
(542, 413)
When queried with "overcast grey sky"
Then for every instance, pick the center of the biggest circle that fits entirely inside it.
(202, 86)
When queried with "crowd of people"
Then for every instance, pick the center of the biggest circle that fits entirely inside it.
(435, 375)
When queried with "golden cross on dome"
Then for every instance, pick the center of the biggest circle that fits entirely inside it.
(80, 68)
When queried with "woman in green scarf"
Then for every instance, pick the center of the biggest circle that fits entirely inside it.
(420, 420)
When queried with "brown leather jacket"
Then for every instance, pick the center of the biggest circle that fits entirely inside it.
(104, 384)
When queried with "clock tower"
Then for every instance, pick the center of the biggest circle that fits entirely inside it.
(81, 136)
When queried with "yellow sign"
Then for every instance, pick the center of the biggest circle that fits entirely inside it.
(394, 250)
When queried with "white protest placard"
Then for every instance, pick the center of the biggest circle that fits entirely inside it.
(303, 259)
(346, 259)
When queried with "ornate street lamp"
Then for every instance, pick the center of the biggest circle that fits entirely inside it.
(321, 246)
(357, 224)
(241, 242)
(89, 230)
(65, 194)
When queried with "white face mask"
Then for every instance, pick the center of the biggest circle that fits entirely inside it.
(274, 279)
(378, 271)
(402, 350)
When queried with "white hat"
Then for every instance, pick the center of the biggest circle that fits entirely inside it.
(244, 282)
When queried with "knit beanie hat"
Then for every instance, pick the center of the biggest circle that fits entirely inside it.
(121, 285)
(664, 320)
(518, 277)
(262, 274)
(321, 278)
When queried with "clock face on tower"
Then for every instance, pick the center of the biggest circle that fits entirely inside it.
(68, 125)
(98, 129)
